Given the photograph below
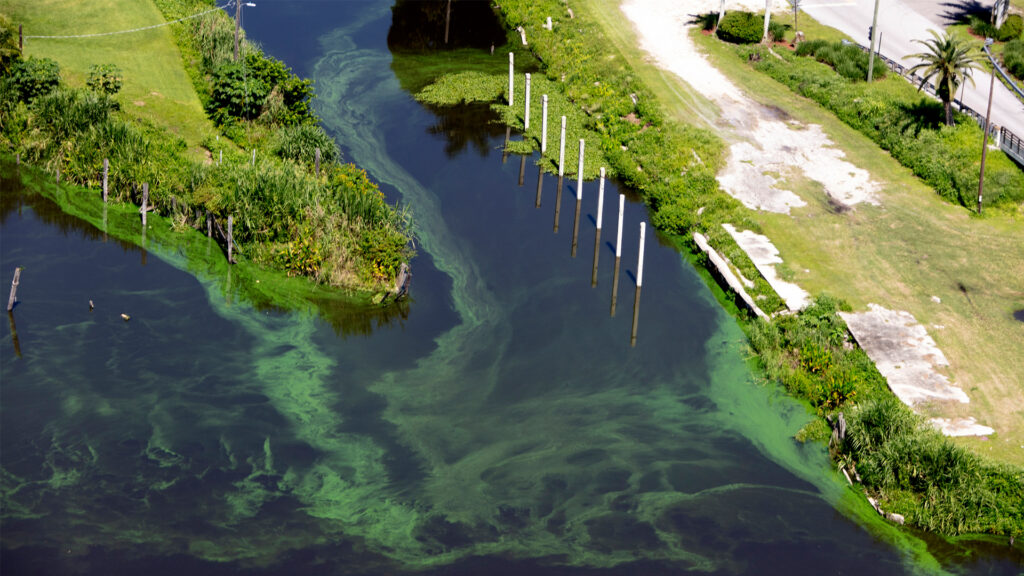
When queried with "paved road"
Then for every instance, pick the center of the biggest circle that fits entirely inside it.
(901, 22)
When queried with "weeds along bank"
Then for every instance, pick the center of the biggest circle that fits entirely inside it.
(898, 458)
(333, 227)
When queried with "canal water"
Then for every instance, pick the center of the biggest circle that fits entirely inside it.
(504, 424)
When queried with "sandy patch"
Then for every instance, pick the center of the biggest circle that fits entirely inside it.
(763, 142)
(904, 353)
(961, 427)
(765, 256)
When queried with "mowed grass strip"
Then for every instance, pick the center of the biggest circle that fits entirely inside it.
(156, 86)
(900, 254)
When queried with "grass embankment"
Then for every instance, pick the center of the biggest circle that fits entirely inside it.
(333, 227)
(912, 468)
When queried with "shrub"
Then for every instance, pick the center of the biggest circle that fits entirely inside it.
(1013, 57)
(35, 77)
(236, 94)
(300, 142)
(776, 30)
(741, 27)
(105, 79)
(846, 59)
(9, 53)
(1011, 29)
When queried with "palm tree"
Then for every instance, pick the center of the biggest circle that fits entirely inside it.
(950, 61)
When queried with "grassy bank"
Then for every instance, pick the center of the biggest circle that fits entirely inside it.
(331, 226)
(672, 165)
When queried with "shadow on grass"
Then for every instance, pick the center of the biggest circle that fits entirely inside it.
(925, 114)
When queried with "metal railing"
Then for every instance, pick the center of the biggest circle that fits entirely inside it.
(1009, 143)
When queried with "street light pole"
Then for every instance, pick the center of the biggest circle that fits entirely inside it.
(988, 113)
(874, 34)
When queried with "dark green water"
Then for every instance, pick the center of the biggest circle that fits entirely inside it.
(504, 426)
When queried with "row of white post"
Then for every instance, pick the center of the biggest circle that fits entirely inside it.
(579, 195)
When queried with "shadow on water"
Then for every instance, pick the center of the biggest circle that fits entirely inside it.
(420, 25)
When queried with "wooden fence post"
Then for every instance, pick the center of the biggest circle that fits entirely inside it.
(639, 284)
(145, 201)
(579, 201)
(106, 171)
(21, 39)
(14, 289)
(209, 224)
(231, 240)
(317, 161)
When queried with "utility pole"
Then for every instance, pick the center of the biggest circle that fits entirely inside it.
(238, 24)
(874, 34)
(988, 113)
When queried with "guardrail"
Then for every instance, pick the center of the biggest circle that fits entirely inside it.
(1009, 143)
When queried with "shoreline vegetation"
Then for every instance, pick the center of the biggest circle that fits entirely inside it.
(912, 471)
(295, 217)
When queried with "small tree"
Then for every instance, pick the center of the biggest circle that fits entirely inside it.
(950, 61)
(9, 53)
(105, 79)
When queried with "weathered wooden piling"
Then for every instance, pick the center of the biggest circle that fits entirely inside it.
(253, 156)
(579, 200)
(316, 160)
(597, 233)
(231, 240)
(220, 160)
(511, 77)
(522, 169)
(209, 224)
(561, 173)
(639, 284)
(106, 172)
(17, 159)
(14, 289)
(544, 125)
(145, 202)
(526, 112)
(618, 254)
(540, 184)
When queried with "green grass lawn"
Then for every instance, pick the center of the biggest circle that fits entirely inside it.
(156, 86)
(900, 254)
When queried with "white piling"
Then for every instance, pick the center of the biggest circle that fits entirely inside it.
(561, 151)
(511, 71)
(618, 235)
(253, 156)
(600, 199)
(579, 174)
(640, 261)
(544, 127)
(526, 122)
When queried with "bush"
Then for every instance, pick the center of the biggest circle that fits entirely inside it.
(1013, 57)
(1011, 29)
(300, 142)
(105, 79)
(741, 28)
(846, 59)
(35, 77)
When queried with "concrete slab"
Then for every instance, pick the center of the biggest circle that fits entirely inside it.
(904, 353)
(961, 427)
(765, 256)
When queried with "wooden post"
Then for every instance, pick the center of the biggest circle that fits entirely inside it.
(561, 174)
(221, 158)
(618, 254)
(447, 20)
(511, 85)
(58, 173)
(984, 139)
(17, 159)
(544, 126)
(526, 122)
(106, 171)
(540, 184)
(21, 40)
(231, 240)
(174, 205)
(238, 24)
(209, 224)
(579, 201)
(522, 169)
(597, 234)
(145, 201)
(253, 156)
(14, 289)
(316, 159)
(639, 284)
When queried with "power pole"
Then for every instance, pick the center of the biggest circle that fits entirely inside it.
(238, 24)
(874, 34)
(988, 113)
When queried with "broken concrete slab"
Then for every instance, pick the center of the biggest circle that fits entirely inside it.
(904, 353)
(961, 427)
(722, 265)
(765, 256)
